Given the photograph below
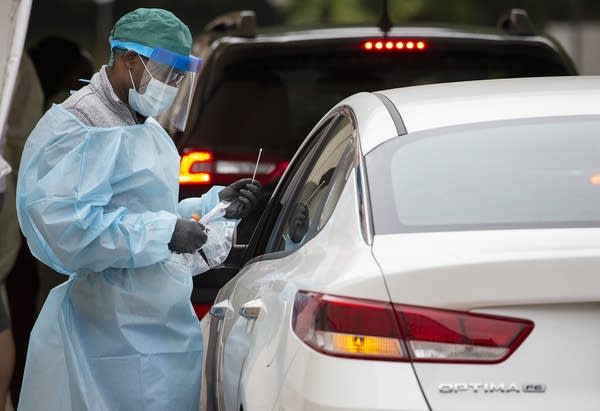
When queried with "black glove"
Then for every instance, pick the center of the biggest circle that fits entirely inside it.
(298, 225)
(244, 195)
(188, 236)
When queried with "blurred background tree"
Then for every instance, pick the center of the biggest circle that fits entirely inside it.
(479, 12)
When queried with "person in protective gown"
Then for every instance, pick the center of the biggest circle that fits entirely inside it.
(97, 199)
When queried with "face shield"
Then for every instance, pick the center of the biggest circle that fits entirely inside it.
(167, 85)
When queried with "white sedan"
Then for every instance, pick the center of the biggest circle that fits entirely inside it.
(429, 248)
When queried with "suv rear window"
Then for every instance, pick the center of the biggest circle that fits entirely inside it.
(542, 173)
(276, 99)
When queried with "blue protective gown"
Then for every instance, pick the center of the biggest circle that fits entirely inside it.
(100, 205)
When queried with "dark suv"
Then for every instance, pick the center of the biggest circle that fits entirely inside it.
(267, 91)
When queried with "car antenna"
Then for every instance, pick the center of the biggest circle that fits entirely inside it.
(385, 24)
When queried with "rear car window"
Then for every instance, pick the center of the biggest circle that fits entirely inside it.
(273, 100)
(515, 174)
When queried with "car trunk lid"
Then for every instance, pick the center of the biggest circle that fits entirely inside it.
(548, 277)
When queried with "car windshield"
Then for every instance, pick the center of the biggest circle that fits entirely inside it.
(277, 98)
(512, 174)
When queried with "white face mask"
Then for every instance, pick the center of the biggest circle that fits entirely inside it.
(157, 98)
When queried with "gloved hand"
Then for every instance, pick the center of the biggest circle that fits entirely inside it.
(298, 225)
(244, 196)
(188, 236)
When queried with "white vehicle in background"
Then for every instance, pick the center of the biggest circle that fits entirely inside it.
(451, 259)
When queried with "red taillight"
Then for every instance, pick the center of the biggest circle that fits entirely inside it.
(378, 330)
(347, 327)
(200, 167)
(434, 335)
(397, 45)
(195, 168)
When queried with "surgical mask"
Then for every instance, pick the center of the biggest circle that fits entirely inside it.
(157, 98)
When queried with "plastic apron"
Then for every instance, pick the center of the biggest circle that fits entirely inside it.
(100, 205)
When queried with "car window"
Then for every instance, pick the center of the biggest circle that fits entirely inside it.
(284, 194)
(532, 173)
(302, 218)
(338, 182)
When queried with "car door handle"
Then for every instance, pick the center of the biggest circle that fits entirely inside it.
(252, 309)
(222, 310)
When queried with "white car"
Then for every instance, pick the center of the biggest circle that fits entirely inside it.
(429, 248)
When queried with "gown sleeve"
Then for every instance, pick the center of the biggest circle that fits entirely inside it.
(81, 208)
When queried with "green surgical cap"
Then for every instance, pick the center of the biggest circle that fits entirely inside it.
(153, 28)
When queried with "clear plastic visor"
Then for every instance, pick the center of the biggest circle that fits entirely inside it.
(176, 74)
(162, 72)
(176, 115)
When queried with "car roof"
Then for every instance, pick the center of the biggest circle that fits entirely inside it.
(450, 104)
(358, 32)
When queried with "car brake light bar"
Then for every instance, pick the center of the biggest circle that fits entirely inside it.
(394, 45)
(366, 329)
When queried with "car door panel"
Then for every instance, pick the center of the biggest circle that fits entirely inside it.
(337, 261)
(263, 354)
(255, 283)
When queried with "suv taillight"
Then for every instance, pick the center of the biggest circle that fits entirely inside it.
(207, 168)
(195, 168)
(368, 329)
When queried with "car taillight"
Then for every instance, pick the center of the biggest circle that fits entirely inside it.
(195, 168)
(394, 45)
(434, 335)
(347, 327)
(201, 167)
(368, 329)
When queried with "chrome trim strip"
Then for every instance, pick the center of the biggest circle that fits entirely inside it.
(362, 187)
